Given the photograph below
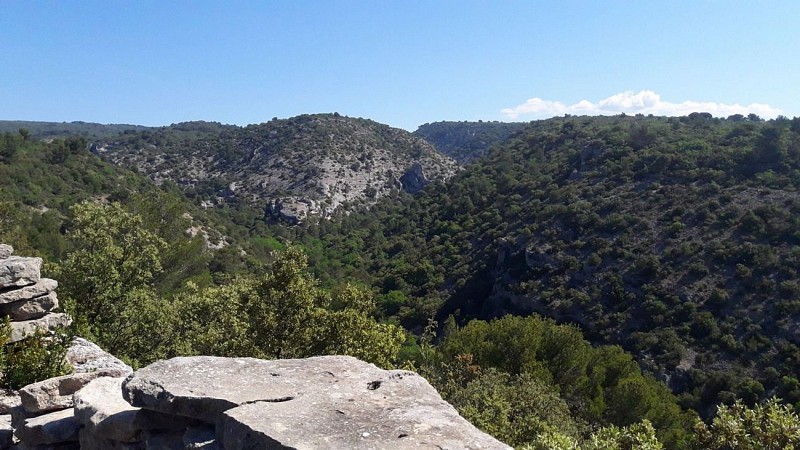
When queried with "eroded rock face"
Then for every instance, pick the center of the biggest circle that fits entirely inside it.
(202, 387)
(414, 179)
(322, 402)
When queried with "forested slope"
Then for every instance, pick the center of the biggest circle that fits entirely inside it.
(674, 237)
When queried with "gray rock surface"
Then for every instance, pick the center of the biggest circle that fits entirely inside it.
(19, 271)
(6, 251)
(321, 402)
(90, 441)
(21, 330)
(99, 407)
(33, 308)
(43, 287)
(8, 399)
(53, 428)
(202, 387)
(85, 356)
(55, 393)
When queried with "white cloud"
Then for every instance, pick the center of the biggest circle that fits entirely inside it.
(628, 102)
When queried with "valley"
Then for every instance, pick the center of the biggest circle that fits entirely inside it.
(663, 253)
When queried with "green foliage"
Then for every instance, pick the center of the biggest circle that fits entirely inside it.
(109, 285)
(109, 278)
(285, 314)
(638, 436)
(766, 426)
(601, 385)
(34, 359)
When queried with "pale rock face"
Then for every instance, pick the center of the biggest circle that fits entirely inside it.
(33, 308)
(19, 271)
(6, 251)
(323, 165)
(43, 287)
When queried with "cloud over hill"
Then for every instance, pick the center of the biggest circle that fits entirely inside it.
(629, 102)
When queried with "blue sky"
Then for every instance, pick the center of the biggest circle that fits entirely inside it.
(403, 63)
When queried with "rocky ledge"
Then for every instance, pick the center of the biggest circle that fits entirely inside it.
(203, 402)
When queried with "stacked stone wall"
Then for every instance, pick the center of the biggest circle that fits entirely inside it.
(25, 297)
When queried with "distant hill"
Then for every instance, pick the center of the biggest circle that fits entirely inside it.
(677, 238)
(310, 164)
(467, 141)
(51, 130)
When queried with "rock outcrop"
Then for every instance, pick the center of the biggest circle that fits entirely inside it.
(26, 297)
(42, 415)
(203, 402)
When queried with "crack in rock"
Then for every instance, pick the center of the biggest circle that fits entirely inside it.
(269, 400)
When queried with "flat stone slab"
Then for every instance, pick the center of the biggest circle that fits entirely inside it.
(52, 321)
(30, 309)
(43, 287)
(19, 271)
(54, 428)
(6, 251)
(321, 402)
(202, 387)
(86, 356)
(55, 393)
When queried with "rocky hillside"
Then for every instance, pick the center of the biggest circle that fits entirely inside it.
(467, 141)
(310, 164)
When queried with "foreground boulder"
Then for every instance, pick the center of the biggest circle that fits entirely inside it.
(321, 402)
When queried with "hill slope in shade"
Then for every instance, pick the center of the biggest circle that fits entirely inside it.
(467, 141)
